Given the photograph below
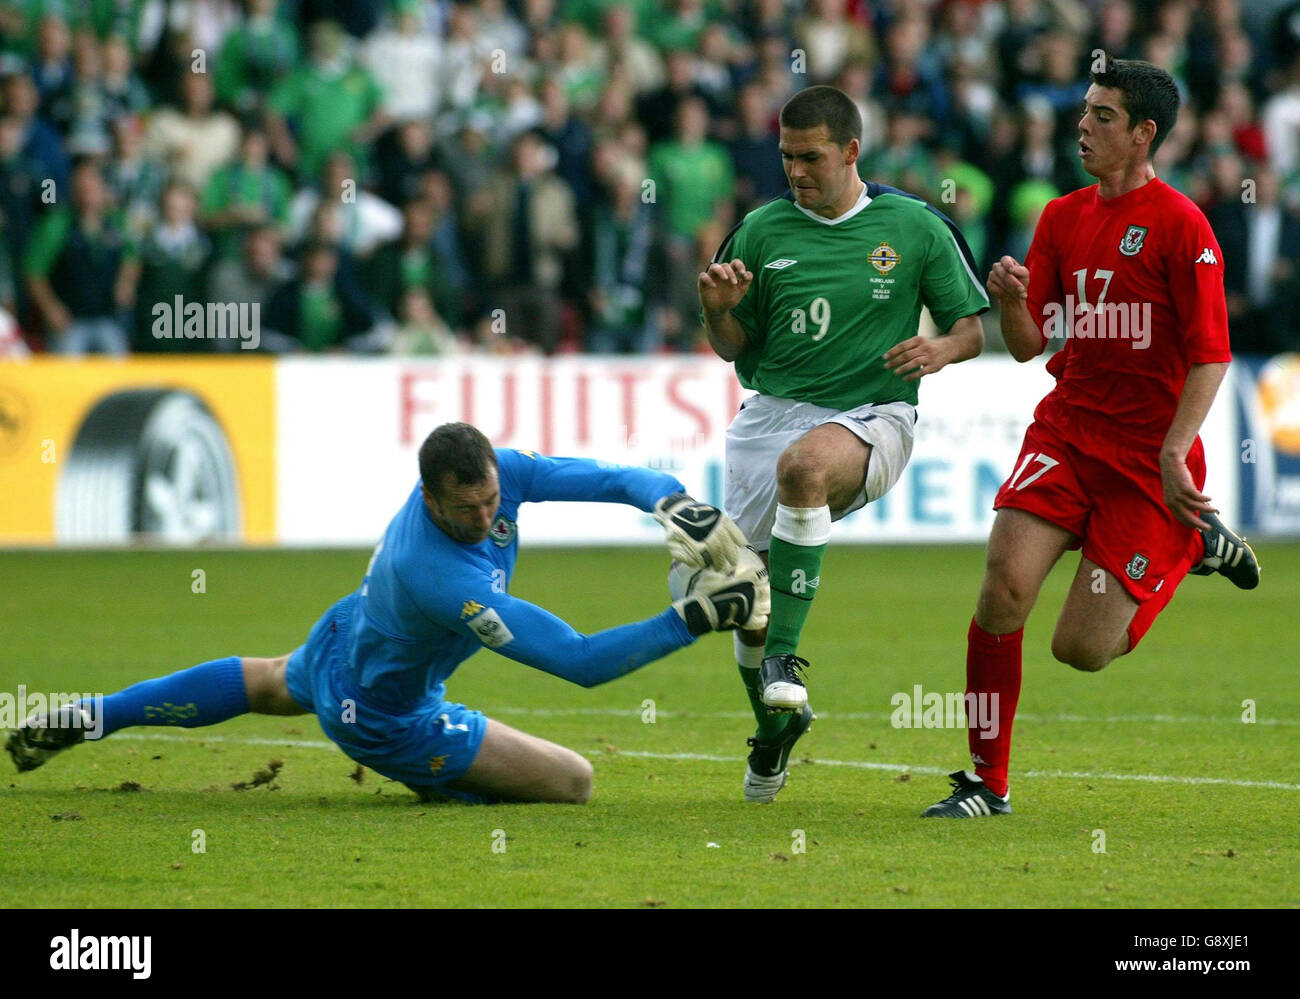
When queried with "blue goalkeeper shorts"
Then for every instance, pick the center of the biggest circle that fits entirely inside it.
(427, 746)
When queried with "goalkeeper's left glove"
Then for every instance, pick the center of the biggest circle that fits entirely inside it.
(699, 534)
(719, 601)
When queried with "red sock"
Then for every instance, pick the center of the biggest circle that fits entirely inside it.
(993, 667)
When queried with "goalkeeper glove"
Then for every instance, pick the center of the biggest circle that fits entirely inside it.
(717, 601)
(699, 534)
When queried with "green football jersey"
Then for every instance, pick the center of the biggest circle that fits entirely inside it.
(828, 299)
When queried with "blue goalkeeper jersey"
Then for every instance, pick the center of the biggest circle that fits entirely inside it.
(428, 602)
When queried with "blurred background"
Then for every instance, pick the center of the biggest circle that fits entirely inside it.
(380, 175)
(516, 197)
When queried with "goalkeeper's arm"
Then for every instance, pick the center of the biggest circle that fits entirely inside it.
(697, 533)
(535, 637)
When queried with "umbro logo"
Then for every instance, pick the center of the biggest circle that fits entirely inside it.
(1207, 257)
(776, 265)
(800, 583)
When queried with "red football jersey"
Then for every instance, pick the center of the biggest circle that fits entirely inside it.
(1135, 284)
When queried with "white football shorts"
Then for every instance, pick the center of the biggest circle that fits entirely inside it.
(766, 426)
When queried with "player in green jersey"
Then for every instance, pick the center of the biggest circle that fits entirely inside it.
(816, 296)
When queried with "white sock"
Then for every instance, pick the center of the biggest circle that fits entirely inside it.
(748, 656)
(808, 526)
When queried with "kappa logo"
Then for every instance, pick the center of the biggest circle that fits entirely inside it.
(1207, 257)
(884, 258)
(800, 583)
(777, 265)
(1137, 566)
(469, 608)
(502, 532)
(1131, 244)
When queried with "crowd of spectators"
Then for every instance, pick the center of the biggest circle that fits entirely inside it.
(433, 177)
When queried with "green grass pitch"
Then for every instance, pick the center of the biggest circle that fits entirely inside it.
(1150, 758)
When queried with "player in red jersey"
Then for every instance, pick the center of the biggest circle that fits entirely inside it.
(1129, 272)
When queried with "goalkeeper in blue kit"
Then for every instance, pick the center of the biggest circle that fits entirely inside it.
(374, 667)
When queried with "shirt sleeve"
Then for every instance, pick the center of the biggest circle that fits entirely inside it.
(533, 636)
(1044, 272)
(1196, 292)
(536, 478)
(950, 287)
(46, 243)
(470, 605)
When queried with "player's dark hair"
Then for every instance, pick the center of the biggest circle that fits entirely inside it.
(457, 448)
(827, 106)
(1149, 94)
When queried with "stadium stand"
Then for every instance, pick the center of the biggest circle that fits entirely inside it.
(387, 175)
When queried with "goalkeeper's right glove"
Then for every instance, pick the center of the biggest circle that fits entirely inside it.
(723, 601)
(699, 534)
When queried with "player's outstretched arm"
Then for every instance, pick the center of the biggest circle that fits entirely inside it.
(542, 479)
(721, 288)
(697, 533)
(1009, 284)
(534, 636)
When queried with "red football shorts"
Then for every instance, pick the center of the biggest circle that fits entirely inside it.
(1115, 510)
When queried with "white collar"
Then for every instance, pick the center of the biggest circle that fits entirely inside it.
(861, 203)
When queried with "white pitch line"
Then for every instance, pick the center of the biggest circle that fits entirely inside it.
(711, 758)
(862, 765)
(885, 716)
(250, 740)
(1164, 779)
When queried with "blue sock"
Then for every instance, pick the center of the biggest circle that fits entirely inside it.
(201, 695)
